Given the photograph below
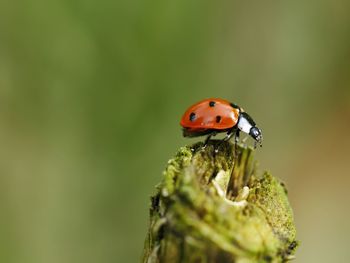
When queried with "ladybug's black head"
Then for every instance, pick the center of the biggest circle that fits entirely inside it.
(255, 132)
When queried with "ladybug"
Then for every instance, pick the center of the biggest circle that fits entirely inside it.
(212, 116)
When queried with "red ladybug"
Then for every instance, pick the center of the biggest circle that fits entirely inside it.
(212, 116)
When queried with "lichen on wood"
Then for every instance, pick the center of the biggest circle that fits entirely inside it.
(213, 207)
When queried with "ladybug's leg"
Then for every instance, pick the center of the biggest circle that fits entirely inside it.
(228, 136)
(237, 136)
(236, 141)
(208, 138)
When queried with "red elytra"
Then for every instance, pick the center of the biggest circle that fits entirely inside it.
(210, 114)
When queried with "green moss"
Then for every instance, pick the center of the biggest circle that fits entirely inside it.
(271, 197)
(191, 220)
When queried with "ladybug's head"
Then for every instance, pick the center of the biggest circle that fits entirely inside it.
(247, 125)
(255, 132)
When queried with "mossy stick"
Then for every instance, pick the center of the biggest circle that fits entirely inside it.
(208, 208)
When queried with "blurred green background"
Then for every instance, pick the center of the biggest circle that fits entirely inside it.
(92, 93)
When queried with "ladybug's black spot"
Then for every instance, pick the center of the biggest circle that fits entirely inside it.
(192, 116)
(234, 105)
(218, 119)
(211, 103)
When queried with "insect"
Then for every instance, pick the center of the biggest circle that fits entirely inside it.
(212, 116)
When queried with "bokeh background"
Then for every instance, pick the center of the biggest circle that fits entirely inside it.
(91, 93)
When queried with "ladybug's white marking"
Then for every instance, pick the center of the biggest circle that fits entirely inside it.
(244, 125)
